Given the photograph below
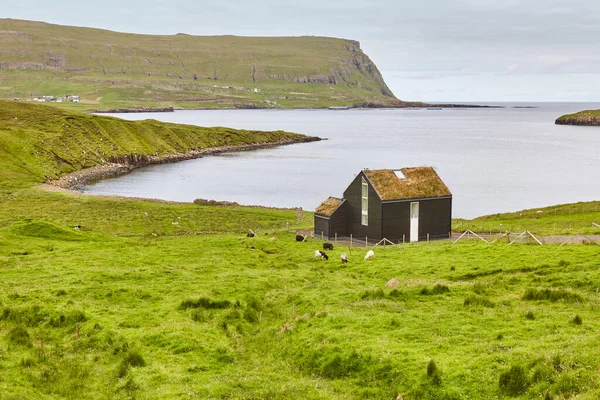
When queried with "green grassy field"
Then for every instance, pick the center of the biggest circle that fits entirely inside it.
(120, 70)
(87, 315)
(171, 300)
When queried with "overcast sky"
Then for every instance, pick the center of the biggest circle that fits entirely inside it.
(428, 50)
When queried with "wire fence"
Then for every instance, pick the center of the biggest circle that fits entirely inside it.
(540, 227)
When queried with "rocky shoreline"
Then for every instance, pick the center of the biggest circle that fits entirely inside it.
(251, 106)
(581, 121)
(122, 165)
(134, 110)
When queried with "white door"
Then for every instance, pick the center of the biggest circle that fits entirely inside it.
(414, 222)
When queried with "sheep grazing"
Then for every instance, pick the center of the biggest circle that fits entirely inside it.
(370, 254)
(321, 254)
(327, 246)
(250, 234)
(344, 258)
(300, 238)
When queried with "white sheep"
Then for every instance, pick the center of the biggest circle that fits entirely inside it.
(344, 258)
(370, 254)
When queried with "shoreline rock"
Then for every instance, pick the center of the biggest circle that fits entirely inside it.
(122, 165)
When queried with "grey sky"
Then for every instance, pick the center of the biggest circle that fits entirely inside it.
(432, 50)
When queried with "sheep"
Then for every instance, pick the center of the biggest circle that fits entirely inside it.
(321, 254)
(327, 246)
(370, 254)
(344, 258)
(300, 238)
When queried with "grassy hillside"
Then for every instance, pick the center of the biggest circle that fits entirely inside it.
(169, 300)
(114, 70)
(564, 219)
(40, 142)
(588, 117)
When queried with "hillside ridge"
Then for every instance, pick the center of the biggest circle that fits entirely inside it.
(110, 69)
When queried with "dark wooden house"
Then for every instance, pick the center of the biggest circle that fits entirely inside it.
(409, 204)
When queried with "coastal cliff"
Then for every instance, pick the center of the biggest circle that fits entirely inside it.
(111, 70)
(587, 118)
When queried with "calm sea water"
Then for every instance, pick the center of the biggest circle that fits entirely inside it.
(493, 160)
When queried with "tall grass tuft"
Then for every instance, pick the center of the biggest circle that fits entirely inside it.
(433, 373)
(530, 315)
(373, 294)
(553, 295)
(474, 300)
(437, 289)
(514, 382)
(131, 359)
(19, 336)
(204, 302)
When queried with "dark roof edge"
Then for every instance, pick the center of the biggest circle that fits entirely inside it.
(448, 196)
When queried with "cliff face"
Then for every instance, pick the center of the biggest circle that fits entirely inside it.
(587, 118)
(183, 68)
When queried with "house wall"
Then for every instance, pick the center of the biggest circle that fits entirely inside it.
(435, 219)
(336, 223)
(339, 221)
(396, 221)
(321, 226)
(353, 196)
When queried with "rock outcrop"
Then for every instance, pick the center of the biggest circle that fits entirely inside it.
(586, 118)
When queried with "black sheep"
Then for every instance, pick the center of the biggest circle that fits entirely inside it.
(327, 246)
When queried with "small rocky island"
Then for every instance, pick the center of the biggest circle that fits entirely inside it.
(588, 117)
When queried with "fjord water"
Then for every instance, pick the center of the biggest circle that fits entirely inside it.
(492, 159)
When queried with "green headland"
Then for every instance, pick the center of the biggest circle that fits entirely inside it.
(588, 117)
(110, 70)
(104, 297)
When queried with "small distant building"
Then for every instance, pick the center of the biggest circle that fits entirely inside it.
(408, 204)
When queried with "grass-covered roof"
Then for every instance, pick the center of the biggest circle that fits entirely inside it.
(328, 207)
(419, 182)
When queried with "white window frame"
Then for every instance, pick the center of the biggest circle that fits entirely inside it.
(364, 203)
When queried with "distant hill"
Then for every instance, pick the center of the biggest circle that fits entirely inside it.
(120, 70)
(588, 117)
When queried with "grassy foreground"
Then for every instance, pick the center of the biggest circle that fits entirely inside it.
(170, 300)
(87, 315)
(121, 70)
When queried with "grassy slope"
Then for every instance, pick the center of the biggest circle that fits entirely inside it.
(294, 327)
(110, 69)
(564, 219)
(39, 142)
(588, 117)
